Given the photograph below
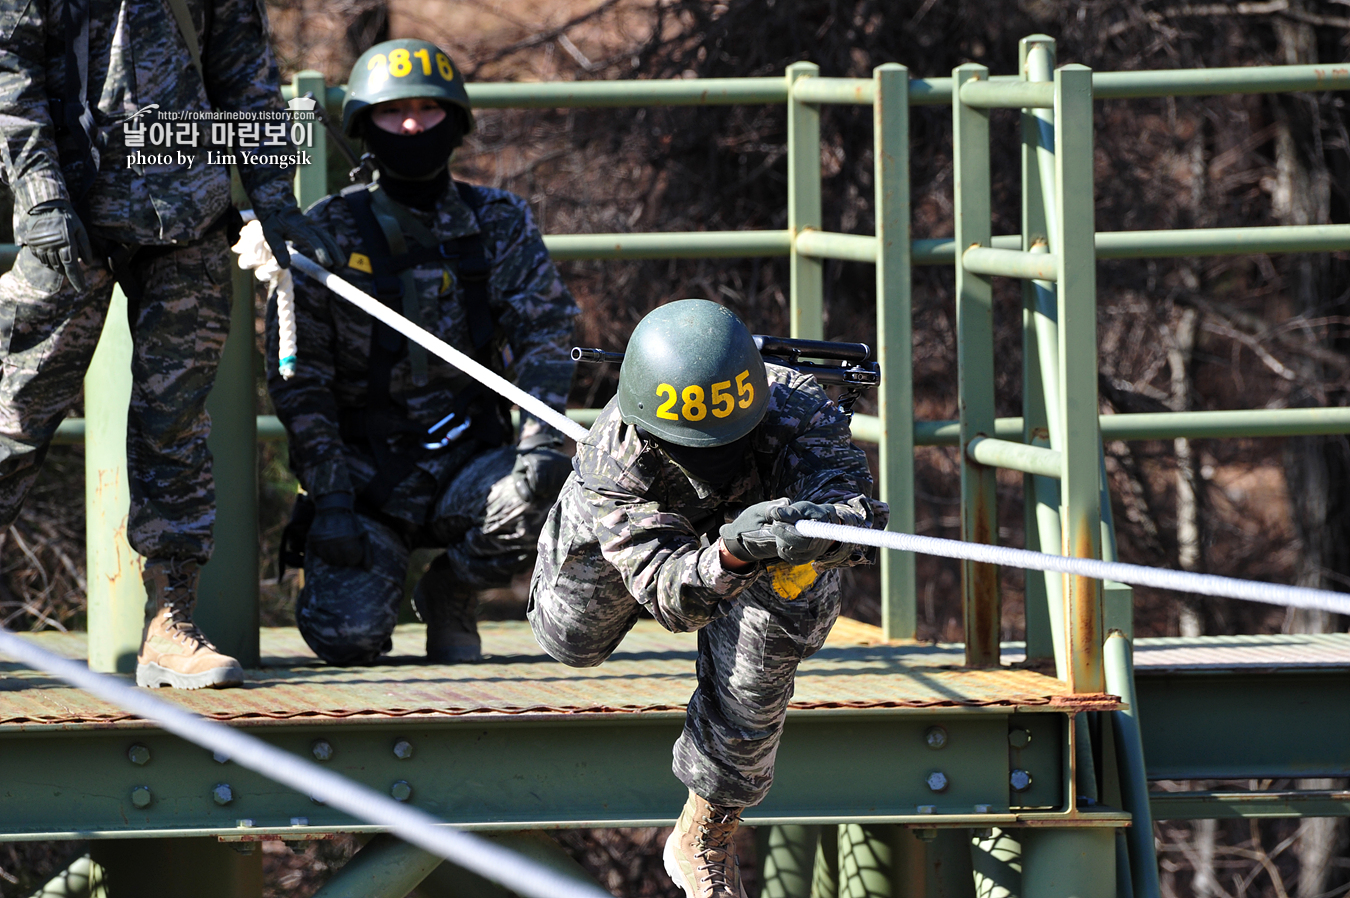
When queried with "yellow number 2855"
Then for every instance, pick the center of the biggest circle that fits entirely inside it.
(693, 399)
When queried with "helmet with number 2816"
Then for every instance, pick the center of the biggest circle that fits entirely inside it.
(403, 69)
(692, 376)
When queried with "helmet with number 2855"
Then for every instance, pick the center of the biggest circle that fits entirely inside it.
(692, 376)
(403, 69)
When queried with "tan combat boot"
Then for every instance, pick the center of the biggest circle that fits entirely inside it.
(173, 651)
(450, 611)
(699, 854)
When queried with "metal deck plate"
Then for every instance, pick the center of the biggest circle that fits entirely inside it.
(652, 672)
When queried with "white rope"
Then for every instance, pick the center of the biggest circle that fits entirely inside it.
(481, 373)
(1179, 581)
(487, 859)
(255, 254)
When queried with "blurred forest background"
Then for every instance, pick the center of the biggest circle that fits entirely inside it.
(1199, 333)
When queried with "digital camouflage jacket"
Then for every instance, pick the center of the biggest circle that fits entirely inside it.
(629, 518)
(137, 56)
(532, 308)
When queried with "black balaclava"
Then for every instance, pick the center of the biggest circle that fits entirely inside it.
(414, 167)
(716, 465)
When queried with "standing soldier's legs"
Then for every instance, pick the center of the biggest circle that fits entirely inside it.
(347, 614)
(490, 528)
(48, 333)
(178, 328)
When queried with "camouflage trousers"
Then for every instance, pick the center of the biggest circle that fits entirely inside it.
(347, 614)
(48, 333)
(747, 664)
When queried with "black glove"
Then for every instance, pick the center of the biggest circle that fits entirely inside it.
(289, 223)
(540, 468)
(793, 547)
(336, 535)
(749, 537)
(55, 235)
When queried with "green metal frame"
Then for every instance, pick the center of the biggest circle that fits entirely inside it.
(1057, 446)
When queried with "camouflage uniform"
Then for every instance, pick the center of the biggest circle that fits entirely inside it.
(48, 330)
(459, 497)
(631, 532)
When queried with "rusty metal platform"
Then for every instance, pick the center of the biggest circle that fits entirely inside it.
(652, 672)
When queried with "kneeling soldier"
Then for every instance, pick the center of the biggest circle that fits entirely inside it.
(398, 450)
(682, 503)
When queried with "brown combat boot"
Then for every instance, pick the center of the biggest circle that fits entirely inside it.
(450, 611)
(699, 854)
(173, 651)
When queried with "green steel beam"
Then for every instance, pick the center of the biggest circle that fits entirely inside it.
(996, 453)
(594, 94)
(1259, 723)
(601, 770)
(1211, 82)
(1008, 95)
(829, 245)
(1069, 863)
(116, 600)
(1080, 490)
(687, 245)
(867, 428)
(227, 605)
(845, 91)
(1043, 600)
(385, 867)
(1129, 746)
(311, 181)
(1010, 263)
(1247, 805)
(807, 312)
(975, 372)
(927, 251)
(895, 397)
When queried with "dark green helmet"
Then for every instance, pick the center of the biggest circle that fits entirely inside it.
(692, 376)
(401, 70)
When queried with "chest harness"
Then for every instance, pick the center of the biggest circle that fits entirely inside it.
(476, 413)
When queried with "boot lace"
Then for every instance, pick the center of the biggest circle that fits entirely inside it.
(713, 849)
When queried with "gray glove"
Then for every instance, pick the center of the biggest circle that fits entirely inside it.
(336, 535)
(750, 538)
(540, 468)
(792, 546)
(289, 223)
(55, 235)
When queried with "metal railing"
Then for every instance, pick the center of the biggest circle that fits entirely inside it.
(891, 93)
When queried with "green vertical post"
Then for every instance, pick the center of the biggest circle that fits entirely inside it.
(227, 599)
(786, 855)
(867, 861)
(1069, 863)
(116, 595)
(807, 282)
(177, 868)
(895, 398)
(975, 368)
(825, 874)
(1080, 490)
(1040, 635)
(997, 861)
(311, 182)
(1133, 772)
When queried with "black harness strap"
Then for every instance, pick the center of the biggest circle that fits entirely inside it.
(382, 419)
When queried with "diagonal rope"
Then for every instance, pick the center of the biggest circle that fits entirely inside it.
(489, 378)
(487, 859)
(1137, 574)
